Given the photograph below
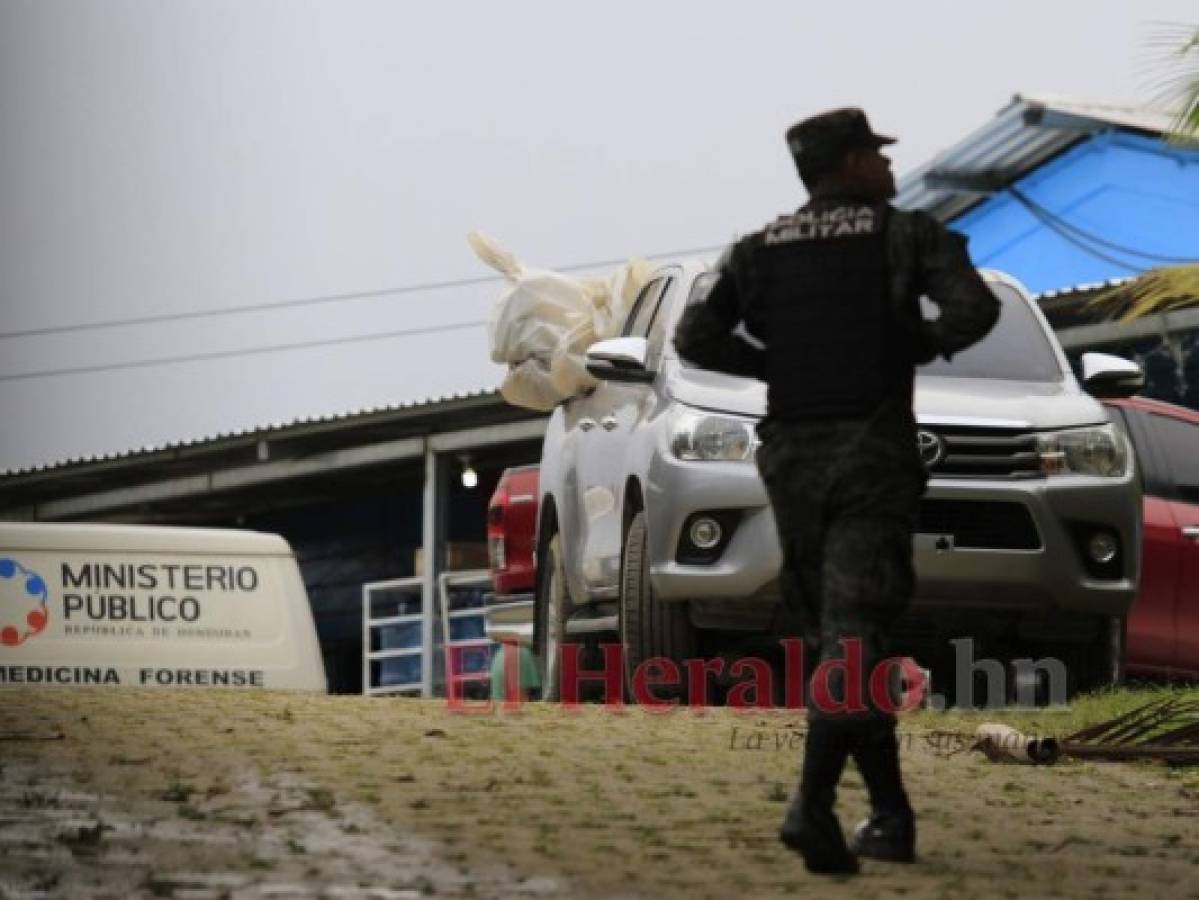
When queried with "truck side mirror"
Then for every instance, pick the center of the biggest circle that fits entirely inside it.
(1107, 377)
(620, 359)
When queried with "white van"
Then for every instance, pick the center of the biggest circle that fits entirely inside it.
(153, 607)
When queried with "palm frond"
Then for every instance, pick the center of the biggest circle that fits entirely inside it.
(1176, 57)
(1158, 290)
(1167, 730)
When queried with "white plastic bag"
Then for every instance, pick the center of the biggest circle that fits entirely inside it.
(538, 307)
(544, 322)
(623, 287)
(529, 385)
(568, 363)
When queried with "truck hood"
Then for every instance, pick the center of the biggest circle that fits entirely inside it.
(993, 402)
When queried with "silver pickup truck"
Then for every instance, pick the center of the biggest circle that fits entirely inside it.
(654, 524)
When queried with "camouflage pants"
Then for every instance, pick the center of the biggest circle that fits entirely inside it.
(845, 497)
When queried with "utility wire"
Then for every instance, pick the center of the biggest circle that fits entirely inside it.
(301, 345)
(1035, 208)
(320, 300)
(250, 351)
(248, 308)
(1052, 224)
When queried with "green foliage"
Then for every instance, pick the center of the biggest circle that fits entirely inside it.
(1176, 48)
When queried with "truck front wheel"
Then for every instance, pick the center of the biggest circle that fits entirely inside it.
(649, 626)
(1099, 663)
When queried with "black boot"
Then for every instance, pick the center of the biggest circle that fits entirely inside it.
(886, 836)
(810, 827)
(890, 832)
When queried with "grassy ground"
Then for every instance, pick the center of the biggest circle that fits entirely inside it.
(209, 793)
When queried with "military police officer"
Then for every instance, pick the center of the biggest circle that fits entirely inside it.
(830, 296)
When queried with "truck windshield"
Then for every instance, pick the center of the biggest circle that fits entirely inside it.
(1017, 347)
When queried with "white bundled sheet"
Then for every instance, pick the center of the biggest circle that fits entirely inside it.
(544, 322)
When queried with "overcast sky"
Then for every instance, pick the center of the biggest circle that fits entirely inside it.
(159, 156)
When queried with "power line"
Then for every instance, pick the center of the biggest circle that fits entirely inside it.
(304, 345)
(248, 308)
(320, 300)
(1035, 208)
(1031, 204)
(1053, 226)
(250, 351)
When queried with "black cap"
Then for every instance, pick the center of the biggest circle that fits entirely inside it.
(825, 137)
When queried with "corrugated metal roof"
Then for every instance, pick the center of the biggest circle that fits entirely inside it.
(1067, 292)
(1141, 118)
(1027, 132)
(257, 432)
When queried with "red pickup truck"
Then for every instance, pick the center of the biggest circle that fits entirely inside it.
(1163, 626)
(511, 530)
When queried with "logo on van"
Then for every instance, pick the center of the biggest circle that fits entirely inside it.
(23, 599)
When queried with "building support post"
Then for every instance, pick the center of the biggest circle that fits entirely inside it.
(428, 586)
(432, 534)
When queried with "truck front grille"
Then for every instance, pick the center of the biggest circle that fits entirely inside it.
(980, 524)
(985, 453)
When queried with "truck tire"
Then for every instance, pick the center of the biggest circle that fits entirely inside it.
(1092, 665)
(552, 609)
(1101, 663)
(650, 627)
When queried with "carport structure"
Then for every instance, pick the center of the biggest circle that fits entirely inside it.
(356, 494)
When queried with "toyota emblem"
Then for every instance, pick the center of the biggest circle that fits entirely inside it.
(932, 448)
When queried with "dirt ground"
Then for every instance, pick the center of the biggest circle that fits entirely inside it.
(121, 793)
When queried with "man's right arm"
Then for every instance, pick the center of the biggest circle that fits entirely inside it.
(705, 334)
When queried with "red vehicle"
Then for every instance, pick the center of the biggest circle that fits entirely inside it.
(1163, 626)
(511, 529)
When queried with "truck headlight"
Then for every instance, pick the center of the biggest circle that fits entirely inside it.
(704, 436)
(1100, 450)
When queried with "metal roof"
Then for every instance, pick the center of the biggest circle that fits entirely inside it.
(260, 432)
(1068, 307)
(186, 480)
(1068, 292)
(1027, 132)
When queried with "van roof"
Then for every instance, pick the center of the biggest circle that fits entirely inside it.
(142, 538)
